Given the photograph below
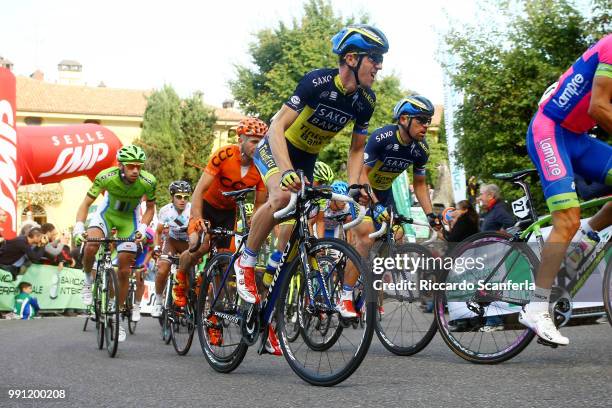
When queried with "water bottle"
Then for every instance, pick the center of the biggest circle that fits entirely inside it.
(580, 251)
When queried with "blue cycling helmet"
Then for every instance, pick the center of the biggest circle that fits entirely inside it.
(359, 37)
(340, 187)
(415, 105)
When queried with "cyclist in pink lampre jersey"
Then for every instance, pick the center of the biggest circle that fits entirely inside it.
(560, 148)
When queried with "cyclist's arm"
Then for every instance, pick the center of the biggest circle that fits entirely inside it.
(158, 234)
(421, 191)
(365, 171)
(600, 107)
(84, 208)
(196, 199)
(355, 158)
(276, 135)
(147, 217)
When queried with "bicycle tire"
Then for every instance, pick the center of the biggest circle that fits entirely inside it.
(210, 285)
(111, 321)
(183, 322)
(350, 363)
(607, 286)
(292, 313)
(412, 314)
(97, 305)
(166, 334)
(456, 343)
(130, 306)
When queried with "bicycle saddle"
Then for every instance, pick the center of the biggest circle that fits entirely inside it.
(515, 175)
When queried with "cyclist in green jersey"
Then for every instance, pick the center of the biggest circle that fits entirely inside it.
(125, 186)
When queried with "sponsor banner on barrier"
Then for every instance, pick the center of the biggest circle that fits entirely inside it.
(57, 290)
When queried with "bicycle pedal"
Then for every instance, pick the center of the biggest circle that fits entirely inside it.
(547, 343)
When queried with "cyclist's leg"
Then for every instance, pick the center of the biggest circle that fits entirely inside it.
(97, 229)
(592, 159)
(126, 251)
(546, 144)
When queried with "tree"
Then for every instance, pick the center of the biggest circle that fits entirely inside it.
(162, 139)
(197, 122)
(281, 57)
(177, 137)
(502, 73)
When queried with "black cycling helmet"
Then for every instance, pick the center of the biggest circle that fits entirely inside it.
(179, 186)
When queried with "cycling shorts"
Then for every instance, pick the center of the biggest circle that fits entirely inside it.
(265, 163)
(559, 154)
(126, 227)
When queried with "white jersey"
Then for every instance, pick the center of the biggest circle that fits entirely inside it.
(177, 223)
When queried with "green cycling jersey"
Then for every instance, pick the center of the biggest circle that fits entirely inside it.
(122, 198)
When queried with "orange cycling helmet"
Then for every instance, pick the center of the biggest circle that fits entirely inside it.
(252, 127)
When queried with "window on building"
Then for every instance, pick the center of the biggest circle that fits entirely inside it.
(33, 121)
(38, 214)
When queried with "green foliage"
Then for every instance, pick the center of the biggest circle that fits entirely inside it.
(174, 132)
(197, 122)
(281, 56)
(503, 72)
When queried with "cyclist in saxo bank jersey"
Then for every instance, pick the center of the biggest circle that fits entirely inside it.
(125, 186)
(559, 146)
(323, 103)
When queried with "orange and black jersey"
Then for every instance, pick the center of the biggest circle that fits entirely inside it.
(224, 165)
(325, 109)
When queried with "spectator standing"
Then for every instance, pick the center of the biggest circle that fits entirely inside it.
(497, 217)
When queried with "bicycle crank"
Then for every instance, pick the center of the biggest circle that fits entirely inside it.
(250, 324)
(560, 306)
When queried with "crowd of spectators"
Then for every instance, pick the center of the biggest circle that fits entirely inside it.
(41, 244)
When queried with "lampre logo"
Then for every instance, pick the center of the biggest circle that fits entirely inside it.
(8, 161)
(573, 88)
(550, 158)
(79, 158)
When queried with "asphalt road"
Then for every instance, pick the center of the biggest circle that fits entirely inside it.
(53, 353)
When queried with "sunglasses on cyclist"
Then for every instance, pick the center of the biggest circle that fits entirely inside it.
(423, 120)
(374, 57)
(182, 196)
(132, 166)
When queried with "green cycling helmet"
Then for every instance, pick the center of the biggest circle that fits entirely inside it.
(323, 173)
(131, 154)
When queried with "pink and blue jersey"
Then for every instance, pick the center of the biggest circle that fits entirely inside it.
(568, 104)
(557, 142)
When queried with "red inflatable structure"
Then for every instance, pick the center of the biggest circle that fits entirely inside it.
(44, 154)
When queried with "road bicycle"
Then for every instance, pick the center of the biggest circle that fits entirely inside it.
(229, 325)
(404, 323)
(480, 322)
(104, 289)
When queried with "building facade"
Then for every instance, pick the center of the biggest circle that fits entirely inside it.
(41, 103)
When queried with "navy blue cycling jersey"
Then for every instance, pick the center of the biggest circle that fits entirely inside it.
(325, 109)
(389, 156)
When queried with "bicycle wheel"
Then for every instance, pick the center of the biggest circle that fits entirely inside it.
(164, 319)
(481, 324)
(97, 305)
(130, 300)
(220, 335)
(607, 284)
(337, 362)
(110, 309)
(407, 324)
(182, 322)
